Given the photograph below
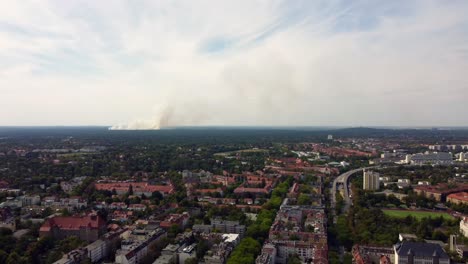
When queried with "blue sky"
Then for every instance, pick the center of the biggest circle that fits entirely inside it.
(143, 64)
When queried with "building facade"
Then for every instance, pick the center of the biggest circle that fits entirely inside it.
(88, 228)
(371, 181)
(418, 252)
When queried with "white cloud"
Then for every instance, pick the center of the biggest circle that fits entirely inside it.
(272, 63)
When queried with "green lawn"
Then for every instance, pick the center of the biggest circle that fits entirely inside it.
(416, 214)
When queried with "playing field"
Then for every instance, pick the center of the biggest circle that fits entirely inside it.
(416, 214)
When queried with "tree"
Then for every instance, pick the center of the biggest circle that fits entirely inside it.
(65, 212)
(294, 259)
(191, 261)
(245, 252)
(13, 258)
(303, 199)
(3, 256)
(156, 196)
(173, 230)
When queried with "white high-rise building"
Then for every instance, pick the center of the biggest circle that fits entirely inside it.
(371, 181)
(462, 156)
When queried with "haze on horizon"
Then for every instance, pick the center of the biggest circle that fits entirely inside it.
(146, 64)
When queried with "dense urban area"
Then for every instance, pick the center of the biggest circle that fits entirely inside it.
(233, 195)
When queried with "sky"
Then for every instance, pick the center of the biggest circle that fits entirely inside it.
(146, 64)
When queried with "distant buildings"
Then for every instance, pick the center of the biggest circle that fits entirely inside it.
(103, 247)
(448, 147)
(181, 220)
(371, 181)
(96, 251)
(462, 157)
(168, 255)
(70, 204)
(134, 249)
(418, 252)
(436, 158)
(464, 226)
(7, 219)
(369, 254)
(297, 230)
(68, 186)
(255, 185)
(73, 257)
(88, 228)
(186, 252)
(219, 252)
(29, 200)
(138, 188)
(458, 198)
(440, 191)
(221, 226)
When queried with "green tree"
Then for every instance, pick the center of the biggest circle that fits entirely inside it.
(13, 258)
(3, 256)
(191, 261)
(304, 199)
(294, 259)
(245, 252)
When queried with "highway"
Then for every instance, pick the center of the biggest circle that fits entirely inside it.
(343, 179)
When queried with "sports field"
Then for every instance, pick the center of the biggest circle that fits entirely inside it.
(416, 214)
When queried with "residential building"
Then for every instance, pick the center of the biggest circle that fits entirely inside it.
(7, 219)
(464, 226)
(370, 254)
(138, 188)
(268, 255)
(175, 219)
(73, 257)
(440, 191)
(28, 200)
(371, 180)
(88, 228)
(11, 202)
(171, 250)
(221, 226)
(297, 230)
(436, 158)
(185, 252)
(458, 198)
(101, 248)
(418, 252)
(462, 157)
(96, 250)
(134, 250)
(165, 259)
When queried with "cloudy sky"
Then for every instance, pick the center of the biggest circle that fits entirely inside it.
(141, 64)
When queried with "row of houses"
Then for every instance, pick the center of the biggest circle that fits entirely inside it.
(138, 188)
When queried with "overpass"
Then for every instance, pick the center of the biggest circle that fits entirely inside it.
(343, 180)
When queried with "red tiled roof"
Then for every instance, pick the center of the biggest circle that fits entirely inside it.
(462, 196)
(441, 188)
(137, 187)
(73, 222)
(217, 190)
(242, 189)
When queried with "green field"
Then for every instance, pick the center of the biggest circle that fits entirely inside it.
(416, 214)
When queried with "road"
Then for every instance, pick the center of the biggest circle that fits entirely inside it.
(343, 180)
